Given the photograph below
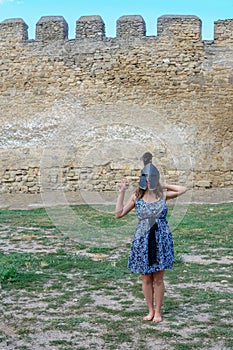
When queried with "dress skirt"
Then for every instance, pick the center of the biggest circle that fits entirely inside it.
(163, 251)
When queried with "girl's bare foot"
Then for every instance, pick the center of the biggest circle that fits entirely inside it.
(149, 317)
(157, 318)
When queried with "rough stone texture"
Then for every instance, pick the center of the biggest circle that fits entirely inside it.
(181, 27)
(78, 114)
(223, 31)
(51, 28)
(90, 27)
(13, 29)
(131, 27)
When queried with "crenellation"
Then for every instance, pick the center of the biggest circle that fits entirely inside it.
(13, 29)
(180, 26)
(90, 27)
(169, 27)
(129, 27)
(50, 28)
(223, 31)
(56, 91)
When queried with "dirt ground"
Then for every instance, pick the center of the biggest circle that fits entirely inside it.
(30, 320)
(32, 201)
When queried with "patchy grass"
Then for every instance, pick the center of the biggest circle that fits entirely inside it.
(60, 293)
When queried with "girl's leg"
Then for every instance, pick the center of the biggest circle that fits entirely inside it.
(148, 291)
(158, 294)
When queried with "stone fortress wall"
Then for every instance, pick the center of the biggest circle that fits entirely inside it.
(78, 113)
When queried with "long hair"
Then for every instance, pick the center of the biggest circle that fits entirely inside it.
(158, 191)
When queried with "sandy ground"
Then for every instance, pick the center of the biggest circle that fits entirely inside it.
(32, 201)
(34, 315)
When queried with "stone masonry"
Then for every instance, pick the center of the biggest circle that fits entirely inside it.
(77, 114)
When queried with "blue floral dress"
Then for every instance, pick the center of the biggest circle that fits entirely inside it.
(152, 246)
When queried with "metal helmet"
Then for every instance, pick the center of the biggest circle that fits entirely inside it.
(149, 174)
(147, 158)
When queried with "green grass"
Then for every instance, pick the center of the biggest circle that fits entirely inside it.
(24, 269)
(86, 291)
(90, 215)
(31, 218)
(203, 229)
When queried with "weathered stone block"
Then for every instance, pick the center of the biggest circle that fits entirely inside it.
(223, 31)
(13, 29)
(50, 28)
(180, 26)
(131, 27)
(90, 27)
(204, 183)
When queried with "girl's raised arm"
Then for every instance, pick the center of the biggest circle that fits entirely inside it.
(173, 191)
(122, 210)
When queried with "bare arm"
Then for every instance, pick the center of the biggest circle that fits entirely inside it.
(173, 191)
(121, 209)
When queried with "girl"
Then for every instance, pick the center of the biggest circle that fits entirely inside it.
(152, 247)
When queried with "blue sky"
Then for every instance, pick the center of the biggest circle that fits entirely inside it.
(110, 10)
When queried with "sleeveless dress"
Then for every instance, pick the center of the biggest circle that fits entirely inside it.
(152, 246)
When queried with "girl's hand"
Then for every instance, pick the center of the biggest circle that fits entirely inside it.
(122, 185)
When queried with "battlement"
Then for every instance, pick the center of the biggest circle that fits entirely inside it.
(13, 29)
(223, 30)
(131, 27)
(92, 97)
(184, 27)
(52, 28)
(91, 27)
